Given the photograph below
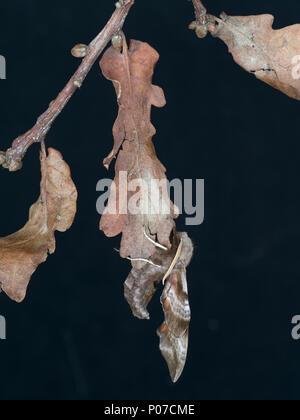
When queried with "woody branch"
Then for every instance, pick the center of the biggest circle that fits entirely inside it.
(200, 12)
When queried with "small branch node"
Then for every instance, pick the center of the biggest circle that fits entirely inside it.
(12, 158)
(117, 42)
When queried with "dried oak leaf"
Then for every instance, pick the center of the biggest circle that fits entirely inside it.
(22, 252)
(149, 237)
(131, 72)
(141, 285)
(271, 55)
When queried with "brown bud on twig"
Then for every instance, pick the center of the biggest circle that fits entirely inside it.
(212, 28)
(117, 42)
(12, 165)
(79, 51)
(15, 165)
(201, 30)
(193, 26)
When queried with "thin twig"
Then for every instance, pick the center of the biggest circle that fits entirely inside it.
(200, 12)
(12, 158)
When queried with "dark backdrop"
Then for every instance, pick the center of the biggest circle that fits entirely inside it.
(74, 337)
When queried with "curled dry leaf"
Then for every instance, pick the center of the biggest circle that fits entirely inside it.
(131, 72)
(273, 56)
(22, 252)
(149, 239)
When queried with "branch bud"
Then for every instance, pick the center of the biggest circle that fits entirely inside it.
(117, 42)
(79, 51)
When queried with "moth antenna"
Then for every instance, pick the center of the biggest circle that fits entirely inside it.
(174, 262)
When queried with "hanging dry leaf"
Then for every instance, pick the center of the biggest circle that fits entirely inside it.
(131, 72)
(149, 239)
(22, 252)
(273, 56)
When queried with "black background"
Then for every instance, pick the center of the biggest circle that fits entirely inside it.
(74, 337)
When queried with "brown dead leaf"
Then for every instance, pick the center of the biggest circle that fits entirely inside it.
(131, 72)
(273, 56)
(149, 237)
(22, 252)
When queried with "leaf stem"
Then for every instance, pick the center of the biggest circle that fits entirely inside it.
(200, 12)
(12, 158)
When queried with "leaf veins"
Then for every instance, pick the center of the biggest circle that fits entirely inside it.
(131, 72)
(22, 252)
